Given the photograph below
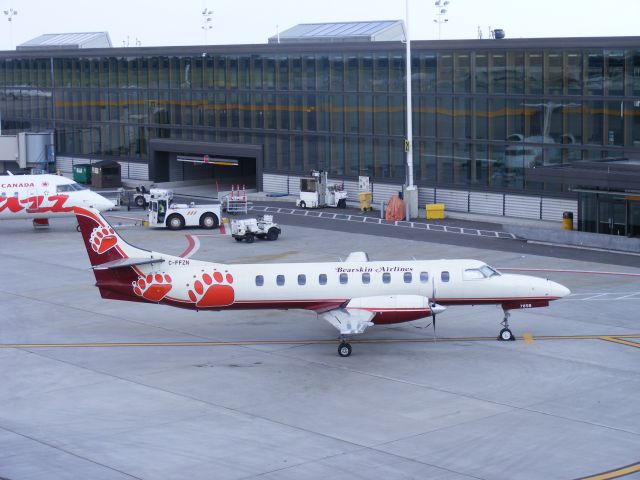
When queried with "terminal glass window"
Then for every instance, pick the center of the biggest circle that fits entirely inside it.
(533, 72)
(594, 63)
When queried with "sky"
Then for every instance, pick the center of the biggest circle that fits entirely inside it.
(168, 23)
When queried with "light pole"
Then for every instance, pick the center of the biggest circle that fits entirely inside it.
(441, 11)
(10, 14)
(410, 191)
(206, 22)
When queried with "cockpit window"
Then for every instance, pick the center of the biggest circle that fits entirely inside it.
(484, 271)
(71, 187)
(487, 271)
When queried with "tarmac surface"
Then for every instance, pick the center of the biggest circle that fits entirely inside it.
(101, 389)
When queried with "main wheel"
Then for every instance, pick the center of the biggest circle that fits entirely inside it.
(175, 222)
(506, 335)
(249, 238)
(342, 203)
(272, 234)
(344, 350)
(303, 204)
(139, 201)
(208, 221)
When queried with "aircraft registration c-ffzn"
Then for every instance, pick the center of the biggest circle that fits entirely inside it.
(351, 295)
(45, 196)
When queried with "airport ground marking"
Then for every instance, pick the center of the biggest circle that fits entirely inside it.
(617, 473)
(434, 227)
(621, 341)
(528, 339)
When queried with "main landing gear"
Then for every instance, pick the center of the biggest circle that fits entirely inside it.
(505, 334)
(344, 349)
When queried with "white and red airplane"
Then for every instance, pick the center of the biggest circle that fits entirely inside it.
(351, 295)
(45, 196)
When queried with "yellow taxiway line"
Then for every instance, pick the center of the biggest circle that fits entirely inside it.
(617, 473)
(529, 339)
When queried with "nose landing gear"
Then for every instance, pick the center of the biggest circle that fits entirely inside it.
(505, 334)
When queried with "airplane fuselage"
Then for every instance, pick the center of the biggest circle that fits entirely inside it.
(45, 196)
(351, 295)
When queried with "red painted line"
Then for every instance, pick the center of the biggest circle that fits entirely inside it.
(190, 246)
(586, 272)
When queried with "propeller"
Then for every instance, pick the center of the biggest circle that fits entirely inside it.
(432, 306)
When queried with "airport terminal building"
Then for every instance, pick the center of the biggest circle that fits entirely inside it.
(496, 123)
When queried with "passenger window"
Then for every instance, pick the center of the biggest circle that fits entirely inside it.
(259, 280)
(407, 277)
(344, 278)
(386, 277)
(302, 279)
(444, 276)
(366, 278)
(280, 280)
(322, 279)
(424, 277)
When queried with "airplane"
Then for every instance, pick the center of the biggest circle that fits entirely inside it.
(41, 197)
(351, 295)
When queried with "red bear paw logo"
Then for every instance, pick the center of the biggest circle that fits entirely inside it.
(212, 290)
(152, 287)
(102, 239)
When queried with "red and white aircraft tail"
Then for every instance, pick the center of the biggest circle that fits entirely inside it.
(351, 295)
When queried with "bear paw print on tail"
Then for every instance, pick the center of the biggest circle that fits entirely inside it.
(212, 290)
(153, 287)
(102, 239)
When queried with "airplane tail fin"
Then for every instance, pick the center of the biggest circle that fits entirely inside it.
(112, 258)
(102, 242)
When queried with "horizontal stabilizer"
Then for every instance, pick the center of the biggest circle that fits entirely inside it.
(127, 262)
(357, 257)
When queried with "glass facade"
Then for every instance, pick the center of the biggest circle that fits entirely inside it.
(484, 111)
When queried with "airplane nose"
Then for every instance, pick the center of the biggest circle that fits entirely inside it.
(101, 203)
(558, 290)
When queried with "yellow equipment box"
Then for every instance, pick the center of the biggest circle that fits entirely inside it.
(434, 211)
(365, 201)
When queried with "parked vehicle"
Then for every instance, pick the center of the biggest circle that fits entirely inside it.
(316, 192)
(175, 216)
(248, 229)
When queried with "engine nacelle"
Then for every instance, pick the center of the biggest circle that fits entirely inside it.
(393, 308)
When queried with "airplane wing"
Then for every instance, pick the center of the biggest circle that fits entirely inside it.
(357, 314)
(357, 257)
(349, 322)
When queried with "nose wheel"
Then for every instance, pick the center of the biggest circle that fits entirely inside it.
(505, 334)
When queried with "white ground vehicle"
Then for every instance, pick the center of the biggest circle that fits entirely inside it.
(316, 192)
(248, 229)
(142, 197)
(175, 216)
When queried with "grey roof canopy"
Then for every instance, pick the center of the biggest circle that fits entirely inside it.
(50, 41)
(373, 31)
